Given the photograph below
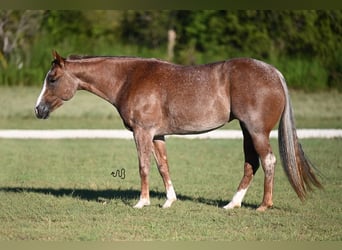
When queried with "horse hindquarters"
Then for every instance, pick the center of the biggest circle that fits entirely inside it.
(257, 101)
(258, 120)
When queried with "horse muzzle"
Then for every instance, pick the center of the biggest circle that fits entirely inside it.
(42, 111)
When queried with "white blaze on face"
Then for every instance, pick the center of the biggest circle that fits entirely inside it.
(40, 97)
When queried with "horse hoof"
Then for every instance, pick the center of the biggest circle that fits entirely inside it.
(168, 203)
(232, 205)
(142, 202)
(263, 208)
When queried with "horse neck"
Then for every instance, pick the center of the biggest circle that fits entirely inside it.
(101, 76)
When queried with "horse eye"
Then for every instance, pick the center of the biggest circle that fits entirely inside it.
(52, 80)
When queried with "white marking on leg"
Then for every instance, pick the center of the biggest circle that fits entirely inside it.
(171, 196)
(270, 159)
(142, 202)
(237, 199)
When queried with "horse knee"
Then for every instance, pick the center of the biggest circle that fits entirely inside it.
(144, 171)
(249, 170)
(163, 169)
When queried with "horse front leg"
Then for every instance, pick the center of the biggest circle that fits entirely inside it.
(159, 151)
(143, 141)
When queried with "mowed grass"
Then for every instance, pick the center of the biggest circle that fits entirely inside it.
(85, 110)
(63, 190)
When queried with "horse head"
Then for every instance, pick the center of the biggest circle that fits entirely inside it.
(59, 86)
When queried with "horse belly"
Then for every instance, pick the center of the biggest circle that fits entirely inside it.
(198, 116)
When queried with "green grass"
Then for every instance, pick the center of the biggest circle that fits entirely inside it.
(85, 110)
(62, 190)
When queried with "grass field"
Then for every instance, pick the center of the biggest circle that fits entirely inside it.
(63, 190)
(57, 190)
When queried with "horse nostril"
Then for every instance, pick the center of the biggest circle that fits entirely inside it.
(37, 112)
(41, 111)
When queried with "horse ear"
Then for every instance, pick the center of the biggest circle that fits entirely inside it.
(57, 58)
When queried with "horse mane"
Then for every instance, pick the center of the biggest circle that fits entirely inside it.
(81, 57)
(85, 57)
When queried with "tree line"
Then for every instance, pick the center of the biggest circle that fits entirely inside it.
(304, 44)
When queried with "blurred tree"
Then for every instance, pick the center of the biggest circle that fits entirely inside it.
(201, 36)
(17, 29)
(61, 24)
(104, 23)
(146, 28)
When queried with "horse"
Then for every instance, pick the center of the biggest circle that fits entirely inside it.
(156, 98)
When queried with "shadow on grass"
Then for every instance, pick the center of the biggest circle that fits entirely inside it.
(127, 196)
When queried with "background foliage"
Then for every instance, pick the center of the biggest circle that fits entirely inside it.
(304, 45)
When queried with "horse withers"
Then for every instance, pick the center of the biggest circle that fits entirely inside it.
(156, 98)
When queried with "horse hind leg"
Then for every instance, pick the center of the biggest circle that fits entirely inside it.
(268, 160)
(159, 151)
(268, 164)
(250, 167)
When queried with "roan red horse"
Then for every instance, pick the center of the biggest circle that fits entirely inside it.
(156, 98)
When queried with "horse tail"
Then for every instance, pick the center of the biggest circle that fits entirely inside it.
(298, 168)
